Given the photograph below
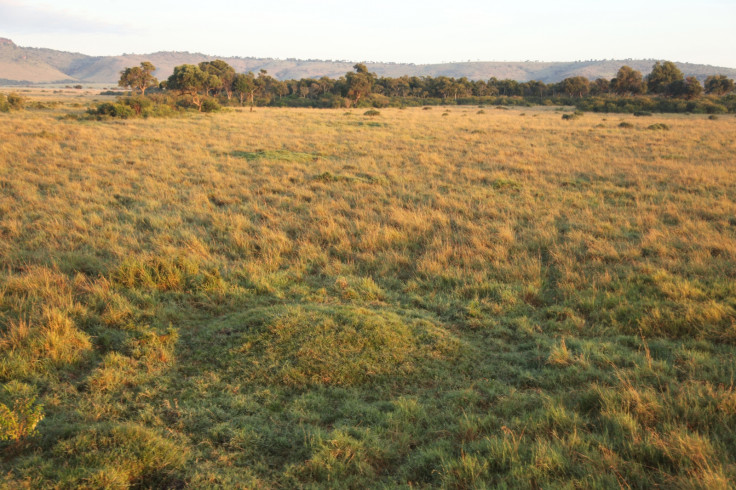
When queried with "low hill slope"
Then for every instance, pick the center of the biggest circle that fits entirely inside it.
(40, 65)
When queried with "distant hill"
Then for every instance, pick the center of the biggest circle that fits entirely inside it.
(41, 65)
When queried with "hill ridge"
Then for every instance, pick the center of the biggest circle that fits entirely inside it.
(44, 65)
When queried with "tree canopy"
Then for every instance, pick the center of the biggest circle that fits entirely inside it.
(210, 83)
(718, 85)
(190, 80)
(628, 82)
(664, 77)
(359, 83)
(139, 77)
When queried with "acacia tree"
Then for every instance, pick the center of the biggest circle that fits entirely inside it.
(244, 84)
(664, 77)
(189, 80)
(138, 77)
(628, 82)
(689, 88)
(359, 83)
(211, 83)
(575, 86)
(225, 75)
(718, 85)
(600, 86)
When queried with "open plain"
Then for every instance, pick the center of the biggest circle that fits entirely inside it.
(289, 298)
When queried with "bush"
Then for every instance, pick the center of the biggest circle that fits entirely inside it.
(372, 113)
(138, 104)
(16, 101)
(210, 105)
(642, 113)
(110, 109)
(11, 102)
(625, 125)
(379, 100)
(658, 127)
(572, 116)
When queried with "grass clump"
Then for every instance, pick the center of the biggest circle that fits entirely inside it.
(372, 113)
(625, 125)
(112, 455)
(275, 155)
(19, 412)
(659, 127)
(342, 346)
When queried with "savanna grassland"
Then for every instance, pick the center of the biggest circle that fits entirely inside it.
(317, 298)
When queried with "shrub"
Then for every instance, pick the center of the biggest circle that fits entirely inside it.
(16, 102)
(625, 125)
(210, 105)
(642, 113)
(379, 100)
(658, 126)
(138, 104)
(110, 109)
(372, 113)
(11, 102)
(574, 115)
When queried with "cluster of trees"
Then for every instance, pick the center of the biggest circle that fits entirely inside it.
(211, 83)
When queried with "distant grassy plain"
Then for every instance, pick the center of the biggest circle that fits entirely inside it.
(295, 298)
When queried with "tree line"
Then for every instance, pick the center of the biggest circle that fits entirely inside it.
(211, 84)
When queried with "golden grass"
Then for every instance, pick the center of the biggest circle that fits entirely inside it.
(315, 297)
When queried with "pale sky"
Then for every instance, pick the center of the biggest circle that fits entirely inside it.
(428, 31)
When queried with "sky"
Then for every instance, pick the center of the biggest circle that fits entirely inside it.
(427, 31)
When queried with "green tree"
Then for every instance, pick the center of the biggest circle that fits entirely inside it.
(575, 86)
(718, 85)
(244, 85)
(224, 72)
(600, 86)
(359, 83)
(189, 80)
(628, 82)
(138, 77)
(689, 88)
(212, 83)
(663, 78)
(265, 85)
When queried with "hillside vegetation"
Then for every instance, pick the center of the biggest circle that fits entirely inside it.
(298, 298)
